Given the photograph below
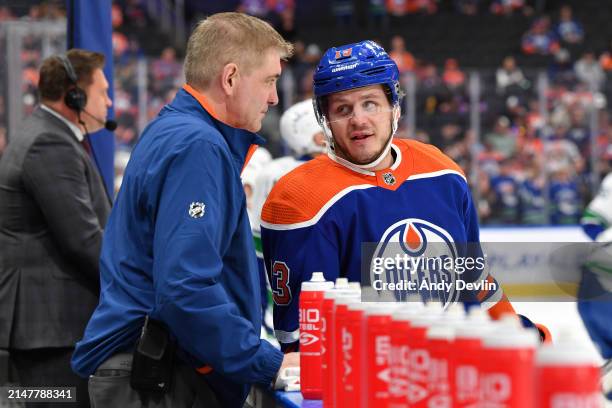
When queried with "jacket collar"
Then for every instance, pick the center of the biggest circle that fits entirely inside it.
(240, 141)
(73, 128)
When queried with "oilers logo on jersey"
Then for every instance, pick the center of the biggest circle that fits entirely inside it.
(418, 250)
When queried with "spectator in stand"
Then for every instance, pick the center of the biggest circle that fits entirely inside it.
(402, 57)
(561, 69)
(569, 29)
(401, 7)
(485, 199)
(134, 13)
(458, 148)
(305, 84)
(505, 205)
(589, 72)
(6, 14)
(428, 78)
(116, 16)
(452, 76)
(531, 191)
(509, 77)
(286, 23)
(507, 7)
(377, 14)
(302, 66)
(280, 6)
(605, 58)
(604, 147)
(540, 39)
(502, 139)
(565, 200)
(579, 132)
(166, 69)
(343, 11)
(560, 153)
(467, 7)
(257, 8)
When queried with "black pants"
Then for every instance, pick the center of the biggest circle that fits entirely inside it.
(48, 367)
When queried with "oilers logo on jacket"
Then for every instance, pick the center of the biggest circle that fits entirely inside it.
(322, 215)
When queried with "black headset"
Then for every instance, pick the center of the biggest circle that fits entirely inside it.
(75, 97)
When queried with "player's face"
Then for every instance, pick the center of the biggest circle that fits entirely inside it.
(256, 92)
(98, 101)
(360, 120)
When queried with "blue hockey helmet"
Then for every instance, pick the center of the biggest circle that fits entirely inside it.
(354, 66)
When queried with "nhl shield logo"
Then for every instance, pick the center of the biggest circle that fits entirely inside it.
(196, 210)
(389, 179)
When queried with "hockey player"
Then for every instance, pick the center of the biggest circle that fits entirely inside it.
(597, 219)
(595, 294)
(303, 135)
(369, 188)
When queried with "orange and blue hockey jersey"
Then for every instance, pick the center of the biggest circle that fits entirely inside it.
(318, 216)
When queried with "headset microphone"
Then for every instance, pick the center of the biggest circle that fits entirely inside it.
(108, 125)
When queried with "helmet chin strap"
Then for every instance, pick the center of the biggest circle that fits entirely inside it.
(331, 148)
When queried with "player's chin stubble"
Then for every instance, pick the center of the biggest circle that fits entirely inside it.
(342, 152)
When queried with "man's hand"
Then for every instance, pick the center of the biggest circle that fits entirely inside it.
(288, 375)
(289, 360)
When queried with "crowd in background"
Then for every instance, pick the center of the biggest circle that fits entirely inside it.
(530, 162)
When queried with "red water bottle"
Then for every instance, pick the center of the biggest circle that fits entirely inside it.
(567, 376)
(419, 356)
(311, 305)
(376, 375)
(342, 300)
(508, 370)
(468, 350)
(400, 336)
(352, 354)
(328, 352)
(440, 339)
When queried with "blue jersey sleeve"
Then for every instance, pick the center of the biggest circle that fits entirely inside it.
(291, 256)
(194, 216)
(491, 295)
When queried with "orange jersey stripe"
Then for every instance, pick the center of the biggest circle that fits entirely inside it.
(301, 194)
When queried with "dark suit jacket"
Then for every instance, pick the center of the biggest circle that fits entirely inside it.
(53, 208)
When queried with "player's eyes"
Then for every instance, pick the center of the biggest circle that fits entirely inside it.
(370, 106)
(343, 110)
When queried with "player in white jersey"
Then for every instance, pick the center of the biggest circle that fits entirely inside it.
(597, 219)
(595, 295)
(302, 134)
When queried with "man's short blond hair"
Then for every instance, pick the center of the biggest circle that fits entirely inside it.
(229, 37)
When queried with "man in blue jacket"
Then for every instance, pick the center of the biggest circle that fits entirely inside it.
(178, 247)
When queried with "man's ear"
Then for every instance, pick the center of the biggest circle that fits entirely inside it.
(229, 78)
